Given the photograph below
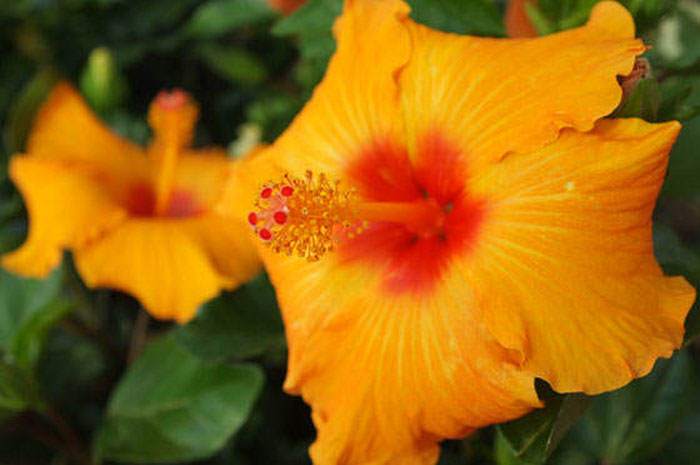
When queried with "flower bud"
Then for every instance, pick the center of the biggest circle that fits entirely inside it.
(101, 82)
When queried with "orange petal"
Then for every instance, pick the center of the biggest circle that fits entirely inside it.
(203, 174)
(228, 245)
(388, 377)
(66, 129)
(67, 206)
(564, 269)
(158, 262)
(495, 96)
(172, 115)
(357, 101)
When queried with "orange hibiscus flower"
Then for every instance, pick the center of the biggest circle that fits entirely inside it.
(139, 220)
(468, 223)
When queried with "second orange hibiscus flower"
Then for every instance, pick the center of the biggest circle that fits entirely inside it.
(142, 221)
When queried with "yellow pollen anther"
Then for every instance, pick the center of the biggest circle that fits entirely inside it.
(309, 216)
(302, 216)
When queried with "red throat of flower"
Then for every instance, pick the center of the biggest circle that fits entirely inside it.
(308, 217)
(406, 219)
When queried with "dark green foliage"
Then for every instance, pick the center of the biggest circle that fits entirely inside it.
(477, 17)
(633, 424)
(216, 18)
(238, 325)
(556, 15)
(532, 439)
(312, 27)
(643, 102)
(27, 309)
(171, 406)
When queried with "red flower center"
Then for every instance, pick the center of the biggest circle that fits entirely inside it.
(141, 202)
(414, 256)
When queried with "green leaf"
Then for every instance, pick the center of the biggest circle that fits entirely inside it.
(237, 325)
(632, 424)
(647, 13)
(17, 392)
(21, 114)
(233, 63)
(684, 163)
(171, 406)
(12, 221)
(560, 14)
(692, 322)
(677, 259)
(69, 367)
(28, 342)
(533, 438)
(542, 23)
(314, 17)
(555, 15)
(217, 17)
(273, 112)
(21, 303)
(312, 24)
(503, 452)
(643, 102)
(675, 99)
(10, 207)
(684, 446)
(28, 309)
(480, 17)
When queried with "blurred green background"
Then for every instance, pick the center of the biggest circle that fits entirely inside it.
(85, 377)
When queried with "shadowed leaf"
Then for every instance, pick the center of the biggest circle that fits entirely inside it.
(172, 406)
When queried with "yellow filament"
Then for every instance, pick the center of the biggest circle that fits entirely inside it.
(411, 214)
(165, 178)
(172, 116)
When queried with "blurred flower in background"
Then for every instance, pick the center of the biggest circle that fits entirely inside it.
(137, 220)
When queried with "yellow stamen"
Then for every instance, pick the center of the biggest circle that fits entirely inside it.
(307, 217)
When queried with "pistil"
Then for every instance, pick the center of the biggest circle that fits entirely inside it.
(172, 117)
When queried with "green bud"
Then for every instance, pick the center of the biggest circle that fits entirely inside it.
(101, 81)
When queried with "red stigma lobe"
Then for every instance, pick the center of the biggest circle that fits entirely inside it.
(265, 234)
(280, 217)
